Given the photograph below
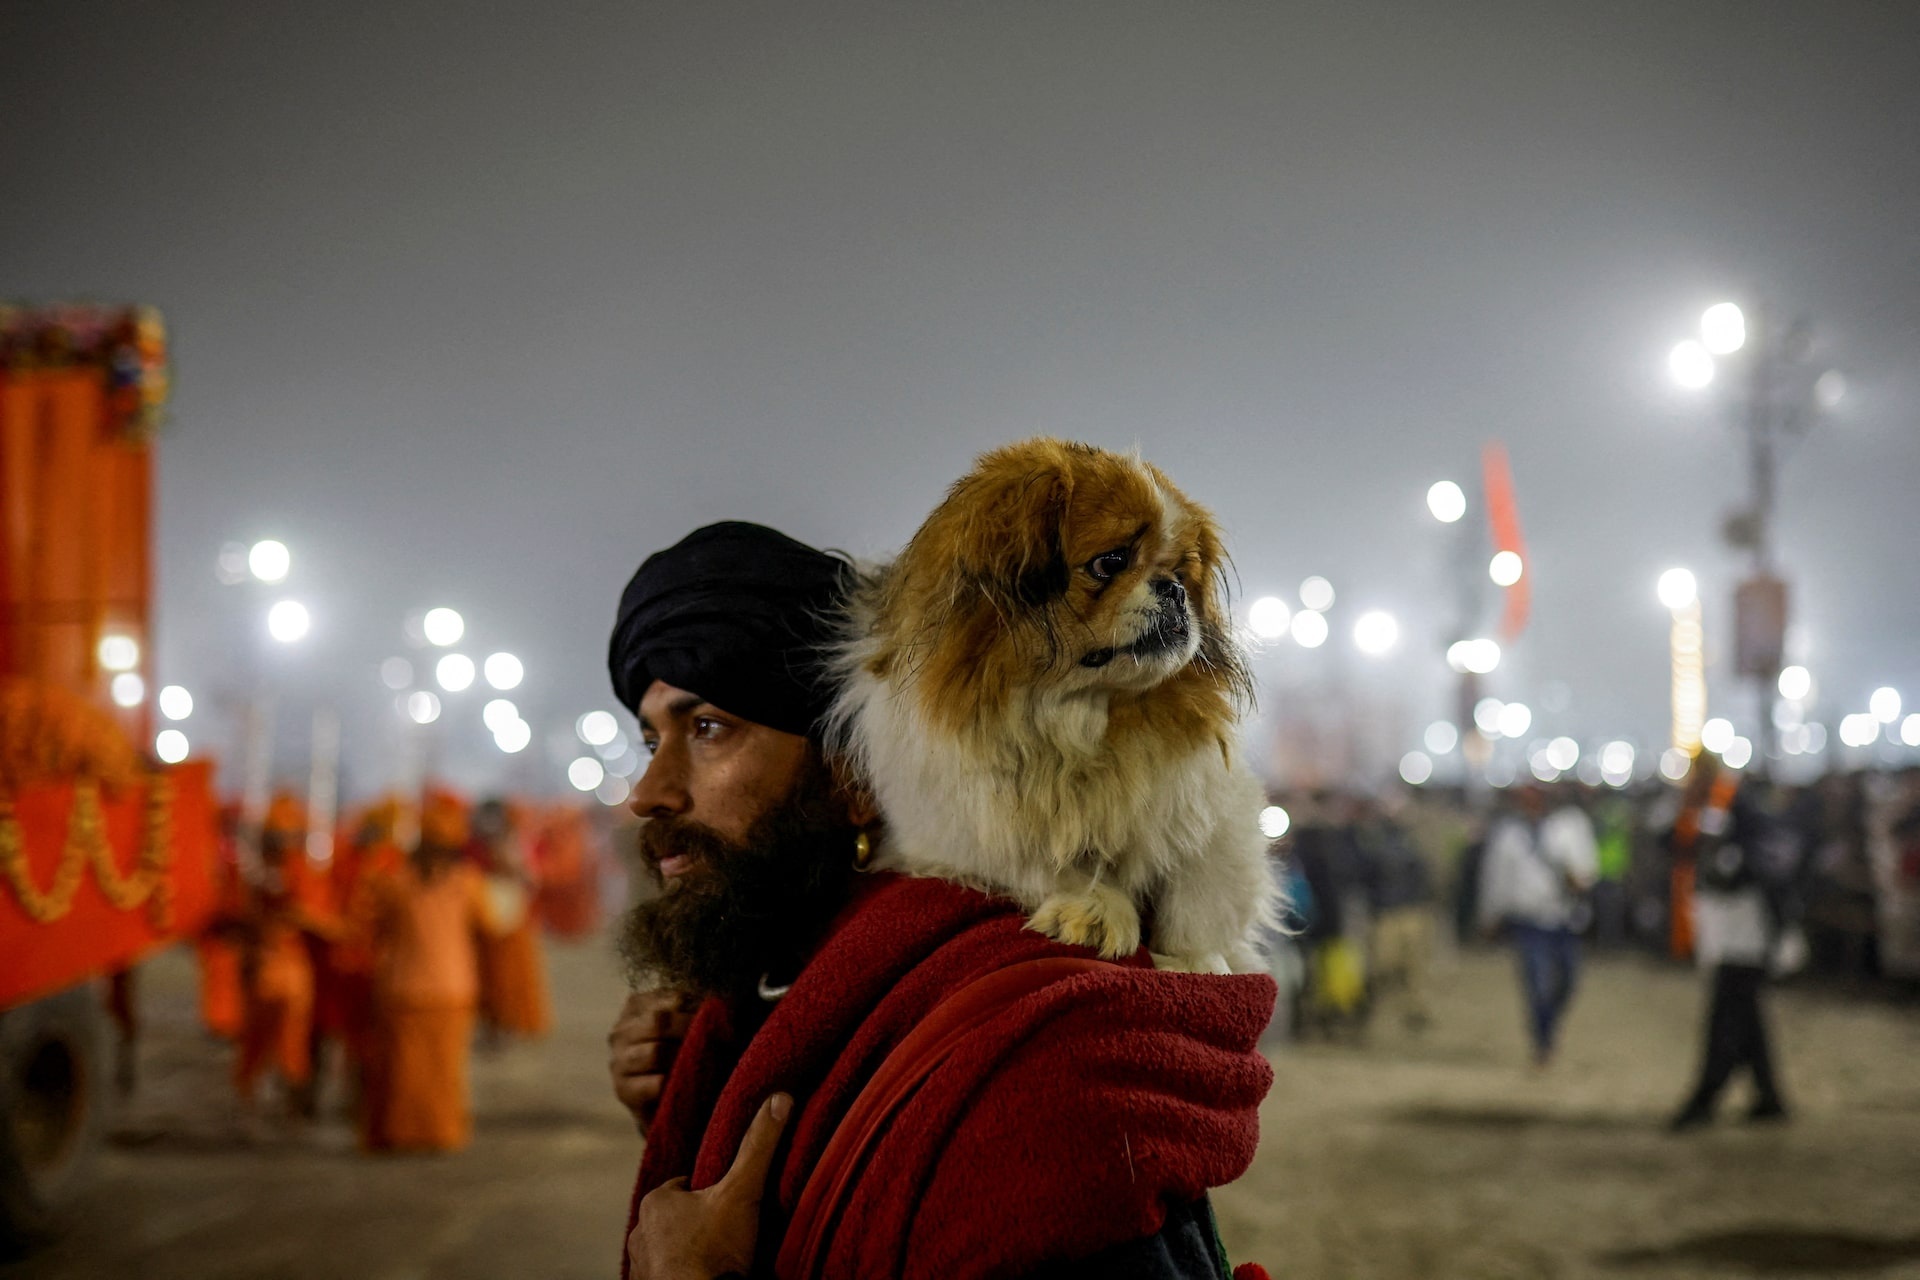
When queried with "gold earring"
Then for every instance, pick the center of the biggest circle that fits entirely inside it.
(862, 851)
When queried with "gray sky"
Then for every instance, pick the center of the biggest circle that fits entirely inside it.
(477, 304)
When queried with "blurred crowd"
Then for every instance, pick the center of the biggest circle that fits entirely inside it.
(1376, 881)
(355, 970)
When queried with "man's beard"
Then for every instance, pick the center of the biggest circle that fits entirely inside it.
(742, 910)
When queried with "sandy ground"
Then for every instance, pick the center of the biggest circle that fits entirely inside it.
(1435, 1156)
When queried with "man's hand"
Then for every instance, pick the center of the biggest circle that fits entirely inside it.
(701, 1235)
(640, 1048)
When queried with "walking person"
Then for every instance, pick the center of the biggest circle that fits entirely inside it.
(1725, 835)
(1540, 863)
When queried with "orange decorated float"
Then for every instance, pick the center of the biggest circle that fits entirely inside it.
(104, 854)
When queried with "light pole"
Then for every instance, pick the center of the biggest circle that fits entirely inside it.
(1778, 393)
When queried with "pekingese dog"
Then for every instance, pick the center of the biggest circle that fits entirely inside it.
(1043, 693)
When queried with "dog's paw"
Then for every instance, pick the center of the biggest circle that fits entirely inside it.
(1101, 918)
(1213, 962)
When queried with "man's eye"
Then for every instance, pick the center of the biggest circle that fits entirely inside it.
(706, 727)
(1107, 563)
(650, 745)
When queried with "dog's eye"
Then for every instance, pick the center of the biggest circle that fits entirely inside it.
(1107, 563)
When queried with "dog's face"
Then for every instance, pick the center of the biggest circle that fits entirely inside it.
(1066, 568)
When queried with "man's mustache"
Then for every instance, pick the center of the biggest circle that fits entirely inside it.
(662, 838)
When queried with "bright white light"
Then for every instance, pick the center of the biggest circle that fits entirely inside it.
(1542, 766)
(422, 707)
(1616, 763)
(1910, 730)
(1309, 629)
(499, 713)
(170, 745)
(1715, 734)
(454, 672)
(128, 689)
(1317, 594)
(1515, 720)
(1563, 753)
(1505, 568)
(612, 790)
(1690, 364)
(1859, 729)
(504, 671)
(597, 729)
(1830, 389)
(1478, 656)
(1375, 632)
(1441, 737)
(1885, 704)
(513, 736)
(1795, 683)
(1674, 764)
(1677, 588)
(1274, 822)
(269, 560)
(1447, 502)
(175, 702)
(396, 673)
(1723, 329)
(1738, 753)
(585, 773)
(443, 627)
(1415, 768)
(118, 653)
(288, 621)
(1268, 617)
(1486, 716)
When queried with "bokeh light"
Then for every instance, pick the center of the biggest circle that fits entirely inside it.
(118, 652)
(128, 689)
(1441, 737)
(396, 673)
(504, 671)
(1715, 734)
(1274, 822)
(1723, 329)
(443, 627)
(1309, 629)
(585, 773)
(1316, 593)
(1515, 719)
(1268, 617)
(1415, 768)
(1738, 753)
(423, 707)
(1447, 501)
(613, 790)
(175, 702)
(499, 713)
(1486, 716)
(1796, 683)
(1478, 656)
(597, 729)
(1375, 632)
(1677, 588)
(269, 560)
(171, 745)
(454, 672)
(513, 736)
(1691, 365)
(1884, 704)
(1505, 568)
(1674, 764)
(288, 621)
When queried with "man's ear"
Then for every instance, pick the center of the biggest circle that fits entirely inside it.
(862, 809)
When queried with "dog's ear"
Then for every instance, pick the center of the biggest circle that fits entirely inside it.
(1001, 526)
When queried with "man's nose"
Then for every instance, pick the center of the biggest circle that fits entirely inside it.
(661, 791)
(1169, 590)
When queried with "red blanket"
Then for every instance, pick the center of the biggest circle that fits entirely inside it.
(1059, 1128)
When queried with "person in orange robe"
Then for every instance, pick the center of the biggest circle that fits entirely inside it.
(276, 964)
(423, 919)
(223, 996)
(513, 978)
(346, 1008)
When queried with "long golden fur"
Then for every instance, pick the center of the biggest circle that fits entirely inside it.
(1043, 691)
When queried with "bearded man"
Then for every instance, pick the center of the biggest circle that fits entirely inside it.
(842, 1073)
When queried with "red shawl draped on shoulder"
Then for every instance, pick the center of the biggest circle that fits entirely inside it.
(1060, 1127)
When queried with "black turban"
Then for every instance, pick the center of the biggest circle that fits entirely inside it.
(737, 613)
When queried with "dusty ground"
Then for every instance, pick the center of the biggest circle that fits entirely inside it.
(1433, 1157)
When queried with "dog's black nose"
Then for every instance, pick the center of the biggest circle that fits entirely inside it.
(1170, 590)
